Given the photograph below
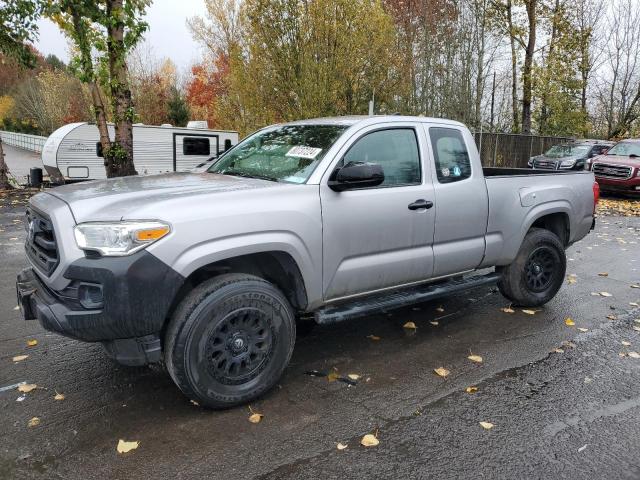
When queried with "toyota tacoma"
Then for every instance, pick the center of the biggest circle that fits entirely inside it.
(328, 218)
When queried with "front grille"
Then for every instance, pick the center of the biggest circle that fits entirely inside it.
(41, 245)
(607, 170)
(545, 164)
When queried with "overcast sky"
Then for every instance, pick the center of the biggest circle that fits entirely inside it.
(168, 34)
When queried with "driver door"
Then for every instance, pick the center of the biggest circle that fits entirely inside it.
(379, 237)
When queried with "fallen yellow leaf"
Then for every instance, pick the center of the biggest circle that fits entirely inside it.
(19, 358)
(634, 354)
(605, 294)
(27, 387)
(441, 371)
(603, 274)
(475, 358)
(569, 322)
(34, 422)
(636, 328)
(332, 377)
(508, 310)
(612, 317)
(529, 312)
(558, 350)
(32, 342)
(124, 447)
(583, 329)
(635, 286)
(471, 389)
(341, 446)
(486, 425)
(255, 417)
(626, 344)
(435, 323)
(634, 304)
(369, 440)
(375, 338)
(440, 309)
(409, 326)
(353, 376)
(59, 397)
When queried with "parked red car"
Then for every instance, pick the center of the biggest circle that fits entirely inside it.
(618, 170)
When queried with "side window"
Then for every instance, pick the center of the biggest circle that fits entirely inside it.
(99, 149)
(598, 149)
(195, 146)
(395, 150)
(450, 154)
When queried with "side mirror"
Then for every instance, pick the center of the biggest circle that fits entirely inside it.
(356, 175)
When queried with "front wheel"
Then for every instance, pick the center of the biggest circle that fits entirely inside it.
(230, 340)
(537, 272)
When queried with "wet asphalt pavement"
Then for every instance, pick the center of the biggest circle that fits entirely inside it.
(574, 413)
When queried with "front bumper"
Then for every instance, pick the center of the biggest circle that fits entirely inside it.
(136, 294)
(629, 186)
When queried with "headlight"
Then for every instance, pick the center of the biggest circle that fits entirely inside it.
(117, 239)
(567, 163)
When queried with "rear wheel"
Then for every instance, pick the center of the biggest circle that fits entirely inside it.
(230, 340)
(537, 272)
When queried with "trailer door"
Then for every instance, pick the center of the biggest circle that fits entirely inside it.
(191, 149)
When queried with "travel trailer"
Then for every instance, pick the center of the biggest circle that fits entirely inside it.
(73, 152)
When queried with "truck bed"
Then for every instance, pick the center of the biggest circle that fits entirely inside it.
(516, 195)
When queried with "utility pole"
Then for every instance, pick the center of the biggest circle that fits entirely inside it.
(493, 101)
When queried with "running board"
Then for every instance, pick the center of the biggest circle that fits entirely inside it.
(400, 298)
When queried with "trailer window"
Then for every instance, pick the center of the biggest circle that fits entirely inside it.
(227, 144)
(99, 149)
(450, 155)
(195, 146)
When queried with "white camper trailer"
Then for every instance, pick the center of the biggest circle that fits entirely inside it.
(73, 152)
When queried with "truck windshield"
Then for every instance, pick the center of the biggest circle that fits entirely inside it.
(625, 149)
(559, 151)
(287, 153)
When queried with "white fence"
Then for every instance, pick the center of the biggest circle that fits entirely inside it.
(33, 143)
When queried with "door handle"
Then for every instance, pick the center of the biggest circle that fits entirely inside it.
(420, 204)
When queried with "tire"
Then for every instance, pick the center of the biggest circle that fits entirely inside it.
(538, 271)
(229, 340)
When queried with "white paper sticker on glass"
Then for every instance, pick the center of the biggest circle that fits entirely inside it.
(303, 152)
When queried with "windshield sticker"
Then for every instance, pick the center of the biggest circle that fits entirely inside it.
(303, 152)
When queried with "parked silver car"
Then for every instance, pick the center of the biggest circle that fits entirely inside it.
(335, 217)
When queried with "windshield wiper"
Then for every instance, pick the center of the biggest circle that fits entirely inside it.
(238, 173)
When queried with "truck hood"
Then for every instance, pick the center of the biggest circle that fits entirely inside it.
(118, 198)
(618, 160)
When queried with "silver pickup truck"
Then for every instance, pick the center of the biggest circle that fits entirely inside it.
(335, 218)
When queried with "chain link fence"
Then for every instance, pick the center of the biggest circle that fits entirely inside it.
(512, 150)
(33, 143)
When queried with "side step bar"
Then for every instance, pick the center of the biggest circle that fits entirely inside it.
(400, 298)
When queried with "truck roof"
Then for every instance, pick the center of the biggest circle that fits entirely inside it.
(367, 119)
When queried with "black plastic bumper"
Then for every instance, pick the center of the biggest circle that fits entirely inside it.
(137, 292)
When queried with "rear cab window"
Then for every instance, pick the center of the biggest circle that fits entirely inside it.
(450, 154)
